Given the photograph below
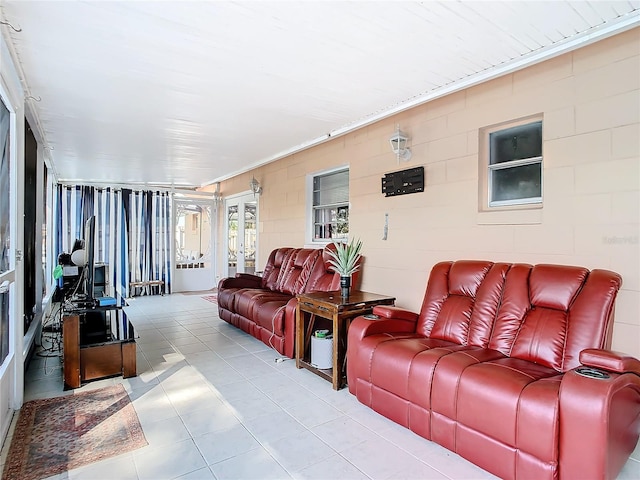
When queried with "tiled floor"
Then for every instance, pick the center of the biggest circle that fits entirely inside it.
(215, 404)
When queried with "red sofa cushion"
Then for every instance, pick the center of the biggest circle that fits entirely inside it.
(298, 269)
(549, 313)
(273, 270)
(461, 301)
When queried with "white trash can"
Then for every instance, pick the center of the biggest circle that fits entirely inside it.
(322, 352)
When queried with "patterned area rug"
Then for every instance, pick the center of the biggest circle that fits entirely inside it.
(58, 434)
(211, 298)
(201, 292)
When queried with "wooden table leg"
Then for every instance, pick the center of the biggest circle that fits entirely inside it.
(71, 350)
(299, 336)
(129, 360)
(308, 332)
(336, 373)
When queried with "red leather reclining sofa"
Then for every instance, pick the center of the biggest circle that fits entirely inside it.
(265, 306)
(508, 366)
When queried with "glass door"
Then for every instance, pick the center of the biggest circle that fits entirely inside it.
(242, 234)
(193, 244)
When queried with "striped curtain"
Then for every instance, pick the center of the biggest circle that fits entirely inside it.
(132, 232)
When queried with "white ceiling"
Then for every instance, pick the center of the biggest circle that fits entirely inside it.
(187, 93)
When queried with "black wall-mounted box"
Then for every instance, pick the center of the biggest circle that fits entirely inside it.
(403, 182)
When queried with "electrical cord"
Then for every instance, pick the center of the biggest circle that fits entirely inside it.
(51, 330)
(273, 332)
(79, 282)
(72, 294)
(51, 339)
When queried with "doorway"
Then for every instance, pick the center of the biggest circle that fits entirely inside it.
(241, 226)
(194, 234)
(11, 357)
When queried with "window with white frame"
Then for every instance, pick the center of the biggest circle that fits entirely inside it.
(513, 174)
(330, 205)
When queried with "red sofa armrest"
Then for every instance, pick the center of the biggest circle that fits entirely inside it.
(241, 280)
(389, 320)
(249, 276)
(595, 436)
(610, 360)
(397, 313)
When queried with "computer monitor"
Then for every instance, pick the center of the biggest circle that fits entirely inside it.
(99, 280)
(89, 251)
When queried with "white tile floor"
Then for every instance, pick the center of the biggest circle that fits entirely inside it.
(214, 404)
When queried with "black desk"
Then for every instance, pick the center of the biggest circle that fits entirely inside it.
(97, 343)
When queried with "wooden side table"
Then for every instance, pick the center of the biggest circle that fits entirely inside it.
(97, 343)
(337, 313)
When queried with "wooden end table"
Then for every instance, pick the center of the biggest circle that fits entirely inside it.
(97, 343)
(337, 313)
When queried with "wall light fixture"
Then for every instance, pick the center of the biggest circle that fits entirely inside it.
(255, 187)
(399, 144)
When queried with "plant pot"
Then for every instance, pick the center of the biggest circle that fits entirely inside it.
(345, 286)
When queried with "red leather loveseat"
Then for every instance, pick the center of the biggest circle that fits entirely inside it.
(508, 366)
(265, 306)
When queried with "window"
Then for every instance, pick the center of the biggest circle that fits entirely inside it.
(5, 189)
(45, 219)
(514, 164)
(5, 231)
(330, 205)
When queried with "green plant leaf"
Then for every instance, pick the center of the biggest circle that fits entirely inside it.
(344, 260)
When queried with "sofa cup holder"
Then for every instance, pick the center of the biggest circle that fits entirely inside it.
(592, 373)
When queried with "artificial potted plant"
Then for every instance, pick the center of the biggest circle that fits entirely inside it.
(345, 261)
